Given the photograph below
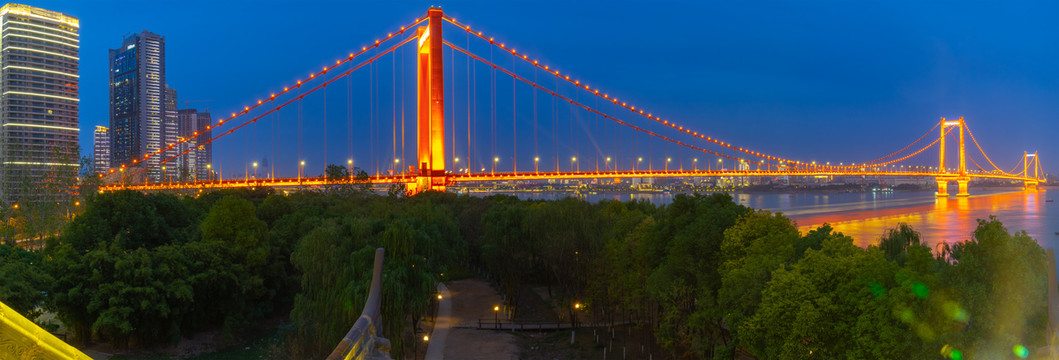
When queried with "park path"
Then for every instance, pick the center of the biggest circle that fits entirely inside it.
(444, 322)
(464, 302)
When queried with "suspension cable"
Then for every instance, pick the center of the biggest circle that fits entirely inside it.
(572, 102)
(908, 146)
(298, 84)
(633, 109)
(980, 147)
(292, 100)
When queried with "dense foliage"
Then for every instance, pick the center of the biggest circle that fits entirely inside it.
(705, 276)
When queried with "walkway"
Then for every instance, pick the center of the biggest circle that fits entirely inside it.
(464, 302)
(436, 346)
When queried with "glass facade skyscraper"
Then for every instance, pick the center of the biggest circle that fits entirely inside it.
(39, 58)
(138, 114)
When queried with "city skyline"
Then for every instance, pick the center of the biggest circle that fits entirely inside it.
(726, 72)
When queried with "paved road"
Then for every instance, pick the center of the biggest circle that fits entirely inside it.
(445, 321)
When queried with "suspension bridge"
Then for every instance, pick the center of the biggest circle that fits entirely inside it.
(505, 117)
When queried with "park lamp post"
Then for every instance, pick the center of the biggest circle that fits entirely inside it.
(577, 307)
(496, 312)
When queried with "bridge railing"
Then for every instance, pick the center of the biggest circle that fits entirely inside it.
(20, 338)
(359, 342)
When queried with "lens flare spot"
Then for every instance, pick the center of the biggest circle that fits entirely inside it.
(906, 315)
(877, 289)
(921, 291)
(924, 331)
(1021, 351)
(954, 311)
(950, 352)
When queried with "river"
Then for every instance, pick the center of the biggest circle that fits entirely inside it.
(865, 216)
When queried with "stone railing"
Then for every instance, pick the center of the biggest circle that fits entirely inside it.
(365, 337)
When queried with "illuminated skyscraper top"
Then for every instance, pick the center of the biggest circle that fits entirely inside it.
(38, 101)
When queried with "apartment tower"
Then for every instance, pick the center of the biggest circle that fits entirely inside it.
(38, 103)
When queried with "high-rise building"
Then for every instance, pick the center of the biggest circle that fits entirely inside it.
(137, 100)
(38, 103)
(193, 125)
(101, 150)
(170, 130)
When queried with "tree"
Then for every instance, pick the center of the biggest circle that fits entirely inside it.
(25, 281)
(233, 231)
(684, 252)
(758, 244)
(335, 276)
(1000, 280)
(833, 303)
(897, 241)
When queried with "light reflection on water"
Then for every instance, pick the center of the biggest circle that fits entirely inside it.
(938, 220)
(866, 216)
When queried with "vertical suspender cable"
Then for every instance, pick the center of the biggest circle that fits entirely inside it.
(536, 151)
(514, 127)
(403, 95)
(452, 102)
(325, 129)
(299, 115)
(469, 108)
(349, 118)
(492, 107)
(474, 117)
(393, 99)
(371, 117)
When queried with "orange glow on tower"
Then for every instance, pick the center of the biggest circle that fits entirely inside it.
(430, 130)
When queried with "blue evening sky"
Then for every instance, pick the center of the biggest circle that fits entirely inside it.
(812, 80)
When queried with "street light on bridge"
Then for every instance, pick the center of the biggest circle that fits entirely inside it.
(301, 169)
(573, 162)
(536, 160)
(638, 160)
(255, 170)
(606, 167)
(667, 163)
(695, 162)
(496, 159)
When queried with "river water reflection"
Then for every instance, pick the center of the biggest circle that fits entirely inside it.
(866, 216)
